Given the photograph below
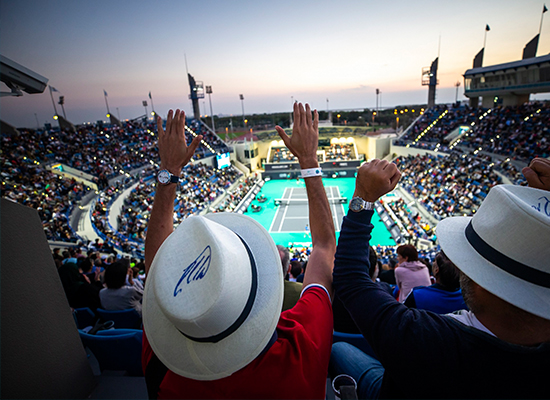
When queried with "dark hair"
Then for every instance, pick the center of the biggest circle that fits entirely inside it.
(448, 274)
(295, 268)
(373, 260)
(408, 251)
(427, 263)
(392, 263)
(86, 265)
(115, 275)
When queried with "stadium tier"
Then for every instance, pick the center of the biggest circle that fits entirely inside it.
(58, 172)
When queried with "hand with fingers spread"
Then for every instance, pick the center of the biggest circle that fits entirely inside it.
(173, 150)
(538, 173)
(375, 179)
(305, 137)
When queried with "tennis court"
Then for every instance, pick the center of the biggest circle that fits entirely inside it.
(292, 214)
(286, 221)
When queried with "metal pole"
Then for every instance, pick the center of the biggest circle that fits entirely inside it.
(37, 123)
(63, 109)
(211, 113)
(118, 113)
(242, 104)
(106, 103)
(53, 102)
(152, 105)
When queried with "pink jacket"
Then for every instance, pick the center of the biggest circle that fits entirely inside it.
(409, 275)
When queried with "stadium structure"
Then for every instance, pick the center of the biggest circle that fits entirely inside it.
(451, 155)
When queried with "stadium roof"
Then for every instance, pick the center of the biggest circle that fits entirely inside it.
(510, 65)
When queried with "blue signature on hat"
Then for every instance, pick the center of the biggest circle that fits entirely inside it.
(196, 270)
(544, 204)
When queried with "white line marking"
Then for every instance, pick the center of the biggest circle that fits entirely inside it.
(284, 212)
(334, 209)
(276, 214)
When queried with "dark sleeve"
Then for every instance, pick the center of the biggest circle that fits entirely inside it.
(410, 301)
(391, 328)
(342, 319)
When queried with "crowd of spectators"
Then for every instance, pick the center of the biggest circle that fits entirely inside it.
(104, 152)
(25, 180)
(334, 152)
(282, 154)
(447, 185)
(201, 184)
(339, 152)
(414, 225)
(236, 195)
(213, 140)
(445, 119)
(93, 278)
(519, 132)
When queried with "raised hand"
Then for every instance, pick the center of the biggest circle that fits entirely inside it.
(305, 137)
(538, 173)
(375, 179)
(173, 150)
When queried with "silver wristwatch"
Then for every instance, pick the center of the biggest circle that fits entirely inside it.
(165, 177)
(358, 204)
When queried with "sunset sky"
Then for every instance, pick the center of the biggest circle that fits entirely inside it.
(269, 51)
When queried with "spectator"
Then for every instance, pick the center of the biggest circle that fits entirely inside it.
(410, 272)
(292, 290)
(295, 270)
(498, 349)
(388, 275)
(258, 354)
(444, 296)
(300, 278)
(80, 291)
(118, 295)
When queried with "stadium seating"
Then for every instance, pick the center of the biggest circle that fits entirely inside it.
(116, 349)
(84, 317)
(129, 319)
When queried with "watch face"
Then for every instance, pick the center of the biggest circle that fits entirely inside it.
(356, 204)
(163, 177)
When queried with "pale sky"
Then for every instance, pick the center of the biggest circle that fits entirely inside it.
(267, 50)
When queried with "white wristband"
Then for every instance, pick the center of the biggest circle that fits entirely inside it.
(308, 173)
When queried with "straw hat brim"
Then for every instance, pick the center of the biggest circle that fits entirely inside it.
(525, 295)
(211, 361)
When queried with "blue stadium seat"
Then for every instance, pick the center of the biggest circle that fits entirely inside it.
(129, 319)
(116, 349)
(84, 317)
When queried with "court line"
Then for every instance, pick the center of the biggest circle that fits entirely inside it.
(286, 209)
(276, 214)
(333, 208)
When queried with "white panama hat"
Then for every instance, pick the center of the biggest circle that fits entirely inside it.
(213, 296)
(505, 246)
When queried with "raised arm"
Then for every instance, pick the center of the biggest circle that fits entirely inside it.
(303, 144)
(174, 155)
